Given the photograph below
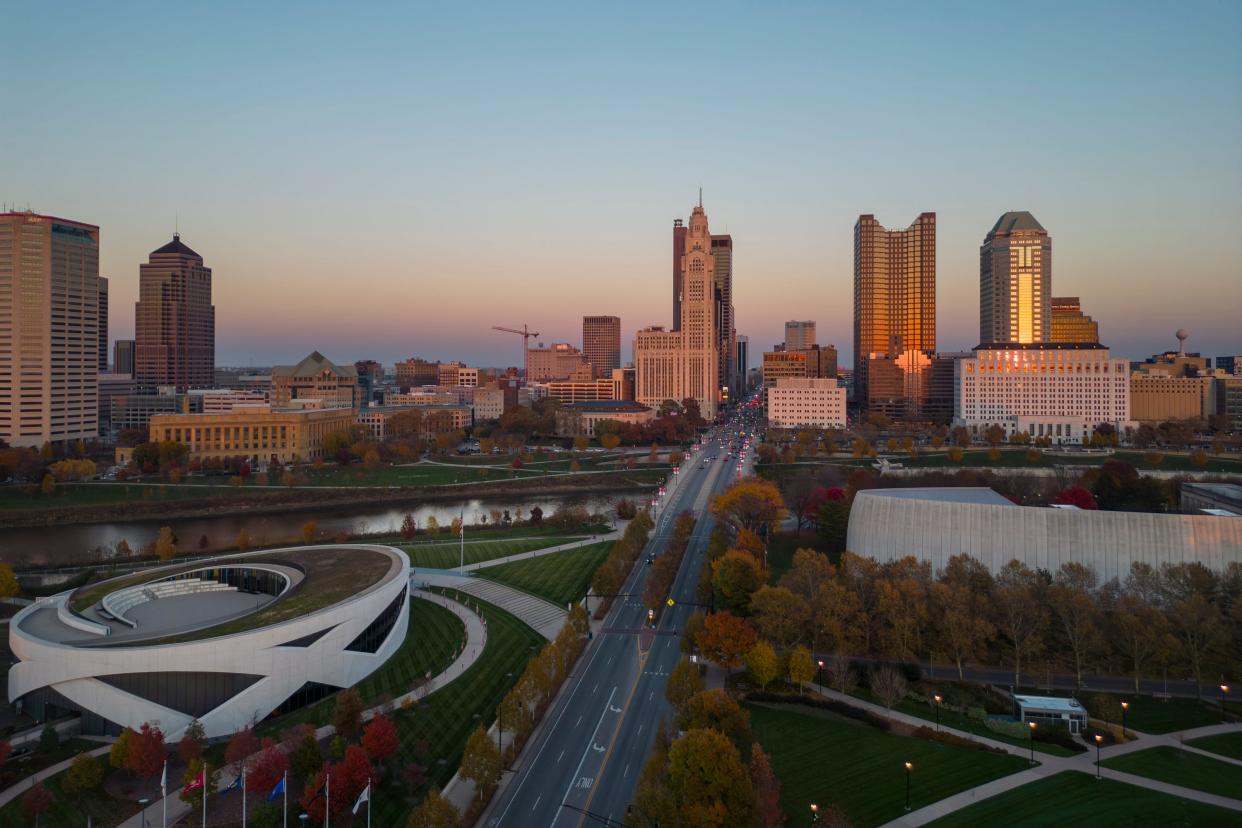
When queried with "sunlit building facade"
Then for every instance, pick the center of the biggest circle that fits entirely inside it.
(1015, 282)
(601, 343)
(174, 320)
(1070, 324)
(894, 306)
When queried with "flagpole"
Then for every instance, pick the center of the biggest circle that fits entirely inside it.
(164, 795)
(204, 795)
(284, 784)
(327, 800)
(243, 793)
(369, 793)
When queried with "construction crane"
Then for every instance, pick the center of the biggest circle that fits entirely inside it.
(526, 333)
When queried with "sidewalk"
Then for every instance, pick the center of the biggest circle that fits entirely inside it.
(9, 794)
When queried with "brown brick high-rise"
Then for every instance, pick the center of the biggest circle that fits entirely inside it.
(174, 320)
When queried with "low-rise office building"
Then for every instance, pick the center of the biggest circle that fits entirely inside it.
(1157, 395)
(435, 419)
(261, 431)
(315, 377)
(806, 401)
(1059, 391)
(581, 418)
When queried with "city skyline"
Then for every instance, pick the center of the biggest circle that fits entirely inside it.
(382, 128)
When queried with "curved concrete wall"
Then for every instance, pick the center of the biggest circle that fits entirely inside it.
(71, 670)
(887, 528)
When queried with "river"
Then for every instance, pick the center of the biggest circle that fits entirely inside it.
(75, 543)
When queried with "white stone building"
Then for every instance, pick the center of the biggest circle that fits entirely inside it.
(1061, 391)
(808, 401)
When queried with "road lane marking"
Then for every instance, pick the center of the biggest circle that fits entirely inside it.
(575, 780)
(562, 756)
(536, 805)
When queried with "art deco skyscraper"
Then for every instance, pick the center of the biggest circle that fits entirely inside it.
(49, 329)
(685, 362)
(1015, 282)
(894, 310)
(174, 320)
(601, 343)
(725, 321)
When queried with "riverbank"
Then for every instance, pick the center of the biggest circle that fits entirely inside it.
(254, 500)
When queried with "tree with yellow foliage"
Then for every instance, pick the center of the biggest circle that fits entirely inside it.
(752, 503)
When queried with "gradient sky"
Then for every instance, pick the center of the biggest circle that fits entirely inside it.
(382, 181)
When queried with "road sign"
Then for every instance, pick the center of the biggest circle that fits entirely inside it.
(671, 602)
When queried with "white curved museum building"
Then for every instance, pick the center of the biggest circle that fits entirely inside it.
(934, 524)
(228, 641)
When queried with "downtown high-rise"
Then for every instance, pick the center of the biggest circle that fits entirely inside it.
(894, 313)
(725, 323)
(174, 320)
(49, 329)
(684, 363)
(1015, 282)
(601, 343)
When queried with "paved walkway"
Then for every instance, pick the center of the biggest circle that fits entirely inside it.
(548, 550)
(1049, 765)
(542, 616)
(9, 794)
(476, 639)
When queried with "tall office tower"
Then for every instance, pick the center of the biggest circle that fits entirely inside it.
(103, 324)
(49, 330)
(679, 249)
(1070, 324)
(799, 335)
(174, 320)
(601, 343)
(741, 359)
(894, 312)
(726, 335)
(1015, 282)
(685, 362)
(123, 356)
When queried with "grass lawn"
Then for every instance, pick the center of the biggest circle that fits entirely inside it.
(445, 718)
(1073, 798)
(434, 635)
(561, 577)
(70, 810)
(826, 759)
(1190, 770)
(67, 495)
(1150, 715)
(1226, 744)
(446, 555)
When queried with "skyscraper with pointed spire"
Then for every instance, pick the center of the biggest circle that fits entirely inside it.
(685, 362)
(174, 320)
(721, 251)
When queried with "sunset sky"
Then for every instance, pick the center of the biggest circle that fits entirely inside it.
(376, 181)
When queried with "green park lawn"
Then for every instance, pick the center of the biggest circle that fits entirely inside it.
(1225, 744)
(561, 577)
(445, 719)
(434, 637)
(1151, 715)
(826, 759)
(447, 555)
(1189, 770)
(1073, 798)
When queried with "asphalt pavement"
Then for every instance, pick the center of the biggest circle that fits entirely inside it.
(584, 762)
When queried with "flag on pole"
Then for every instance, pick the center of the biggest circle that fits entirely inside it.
(278, 790)
(365, 796)
(164, 780)
(235, 784)
(197, 782)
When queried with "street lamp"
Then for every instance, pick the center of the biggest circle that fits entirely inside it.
(1224, 688)
(1032, 724)
(819, 676)
(909, 767)
(1098, 740)
(1125, 705)
(814, 812)
(937, 699)
(143, 803)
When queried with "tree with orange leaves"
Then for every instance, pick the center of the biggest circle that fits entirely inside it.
(753, 504)
(726, 639)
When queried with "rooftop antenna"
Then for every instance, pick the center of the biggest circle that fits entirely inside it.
(700, 197)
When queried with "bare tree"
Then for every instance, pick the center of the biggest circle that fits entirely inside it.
(889, 685)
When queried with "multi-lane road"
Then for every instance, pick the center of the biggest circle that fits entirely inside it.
(583, 764)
